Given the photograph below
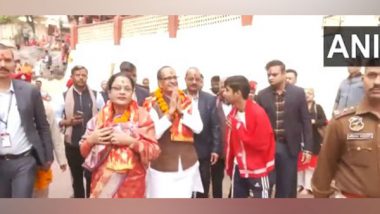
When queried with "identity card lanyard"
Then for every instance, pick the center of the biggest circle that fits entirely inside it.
(5, 137)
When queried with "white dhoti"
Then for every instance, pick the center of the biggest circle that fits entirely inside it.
(180, 184)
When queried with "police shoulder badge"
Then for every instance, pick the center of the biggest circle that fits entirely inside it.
(356, 123)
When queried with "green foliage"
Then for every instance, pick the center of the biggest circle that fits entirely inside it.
(5, 19)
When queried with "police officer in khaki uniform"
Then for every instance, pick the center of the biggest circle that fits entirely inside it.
(350, 153)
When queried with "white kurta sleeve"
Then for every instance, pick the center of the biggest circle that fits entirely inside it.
(59, 107)
(57, 137)
(160, 124)
(99, 101)
(193, 120)
(58, 143)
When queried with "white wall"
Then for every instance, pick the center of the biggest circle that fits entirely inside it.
(228, 48)
(225, 49)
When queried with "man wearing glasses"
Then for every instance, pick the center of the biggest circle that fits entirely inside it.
(207, 143)
(175, 173)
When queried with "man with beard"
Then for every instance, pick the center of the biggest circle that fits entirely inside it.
(287, 110)
(350, 152)
(25, 138)
(207, 143)
(77, 106)
(215, 86)
(175, 173)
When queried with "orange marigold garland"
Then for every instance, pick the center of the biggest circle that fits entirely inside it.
(123, 118)
(164, 107)
(120, 157)
(178, 131)
(160, 101)
(43, 179)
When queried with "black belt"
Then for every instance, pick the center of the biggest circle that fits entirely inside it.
(12, 157)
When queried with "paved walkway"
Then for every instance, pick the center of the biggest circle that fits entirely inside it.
(61, 185)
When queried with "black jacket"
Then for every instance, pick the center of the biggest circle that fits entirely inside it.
(208, 140)
(317, 113)
(33, 118)
(297, 122)
(141, 94)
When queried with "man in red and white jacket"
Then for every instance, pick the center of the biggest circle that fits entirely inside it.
(250, 141)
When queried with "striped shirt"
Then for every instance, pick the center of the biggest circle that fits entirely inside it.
(279, 128)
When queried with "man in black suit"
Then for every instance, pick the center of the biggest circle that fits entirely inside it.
(222, 109)
(207, 143)
(140, 91)
(25, 138)
(286, 107)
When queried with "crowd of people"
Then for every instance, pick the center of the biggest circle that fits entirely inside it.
(127, 141)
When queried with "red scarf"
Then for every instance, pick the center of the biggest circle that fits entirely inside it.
(119, 158)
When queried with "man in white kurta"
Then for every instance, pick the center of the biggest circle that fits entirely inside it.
(175, 173)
